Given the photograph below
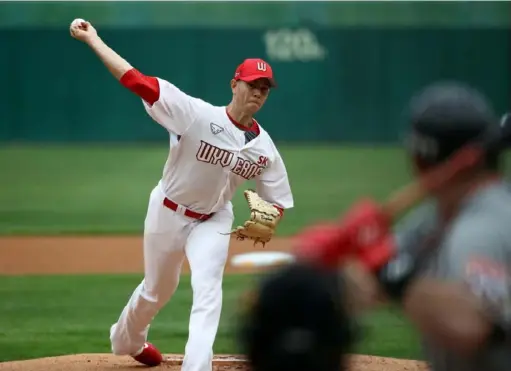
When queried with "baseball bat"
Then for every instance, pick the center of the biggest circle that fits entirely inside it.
(496, 137)
(435, 179)
(440, 176)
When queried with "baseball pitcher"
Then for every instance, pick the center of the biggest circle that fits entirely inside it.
(213, 151)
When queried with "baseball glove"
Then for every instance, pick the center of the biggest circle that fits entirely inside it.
(264, 218)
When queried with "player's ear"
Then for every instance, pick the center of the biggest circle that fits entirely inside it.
(234, 83)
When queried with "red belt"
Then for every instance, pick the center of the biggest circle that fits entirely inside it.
(192, 214)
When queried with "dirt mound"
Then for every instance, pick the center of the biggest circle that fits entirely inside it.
(104, 362)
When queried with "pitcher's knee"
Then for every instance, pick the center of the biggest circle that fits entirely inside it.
(155, 298)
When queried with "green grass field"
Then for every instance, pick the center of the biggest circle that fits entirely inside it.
(55, 315)
(104, 189)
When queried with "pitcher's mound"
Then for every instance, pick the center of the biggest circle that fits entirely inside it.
(105, 362)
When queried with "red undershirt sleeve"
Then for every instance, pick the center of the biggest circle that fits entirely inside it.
(146, 87)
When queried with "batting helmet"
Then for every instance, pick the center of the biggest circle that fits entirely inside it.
(444, 117)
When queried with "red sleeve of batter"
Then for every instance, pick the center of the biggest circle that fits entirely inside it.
(146, 87)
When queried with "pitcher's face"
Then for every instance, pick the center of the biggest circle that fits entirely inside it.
(251, 95)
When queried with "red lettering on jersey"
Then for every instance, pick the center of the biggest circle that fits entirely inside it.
(237, 167)
(263, 161)
(252, 171)
(244, 169)
(247, 169)
(213, 155)
(217, 155)
(205, 152)
(226, 158)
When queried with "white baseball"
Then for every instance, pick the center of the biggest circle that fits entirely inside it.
(77, 22)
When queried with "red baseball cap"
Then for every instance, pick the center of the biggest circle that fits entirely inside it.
(254, 68)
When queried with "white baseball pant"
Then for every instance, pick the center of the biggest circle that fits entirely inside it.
(168, 237)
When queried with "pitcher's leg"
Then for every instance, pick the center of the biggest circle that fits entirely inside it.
(129, 334)
(164, 239)
(161, 279)
(207, 251)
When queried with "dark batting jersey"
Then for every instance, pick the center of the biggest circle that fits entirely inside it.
(474, 248)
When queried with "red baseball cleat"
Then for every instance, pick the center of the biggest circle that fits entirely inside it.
(150, 356)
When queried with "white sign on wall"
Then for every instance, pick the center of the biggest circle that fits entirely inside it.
(293, 45)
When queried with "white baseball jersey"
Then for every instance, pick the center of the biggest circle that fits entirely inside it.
(210, 160)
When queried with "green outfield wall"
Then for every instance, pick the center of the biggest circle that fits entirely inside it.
(346, 71)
